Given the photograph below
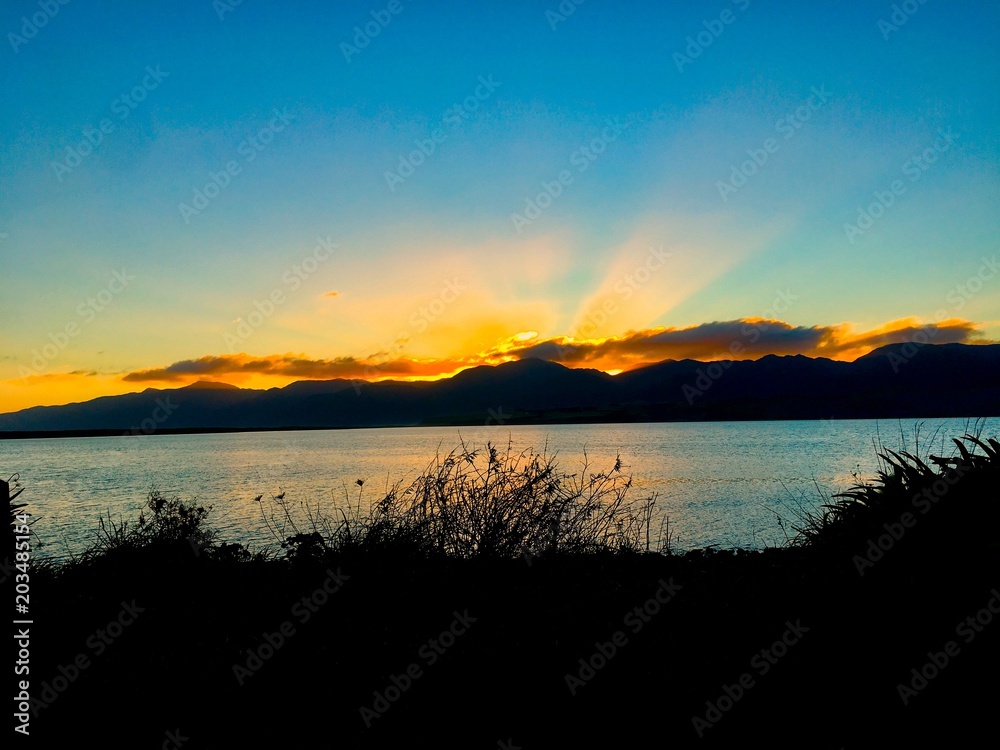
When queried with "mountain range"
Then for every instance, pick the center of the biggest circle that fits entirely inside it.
(900, 380)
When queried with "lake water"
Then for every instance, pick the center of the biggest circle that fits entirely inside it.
(721, 483)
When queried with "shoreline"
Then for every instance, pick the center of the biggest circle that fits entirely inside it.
(509, 422)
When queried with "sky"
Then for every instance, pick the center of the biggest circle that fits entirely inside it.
(259, 192)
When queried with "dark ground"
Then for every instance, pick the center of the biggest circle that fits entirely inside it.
(505, 677)
(524, 625)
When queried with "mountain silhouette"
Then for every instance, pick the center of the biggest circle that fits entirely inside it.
(900, 380)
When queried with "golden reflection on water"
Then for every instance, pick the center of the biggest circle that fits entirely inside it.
(721, 483)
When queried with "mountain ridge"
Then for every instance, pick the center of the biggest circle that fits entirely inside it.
(908, 380)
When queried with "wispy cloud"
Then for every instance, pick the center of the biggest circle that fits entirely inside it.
(746, 338)
(296, 366)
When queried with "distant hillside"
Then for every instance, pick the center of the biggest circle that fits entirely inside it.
(949, 380)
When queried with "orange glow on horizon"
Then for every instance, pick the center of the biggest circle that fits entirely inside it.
(747, 338)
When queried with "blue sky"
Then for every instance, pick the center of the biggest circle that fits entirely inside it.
(682, 129)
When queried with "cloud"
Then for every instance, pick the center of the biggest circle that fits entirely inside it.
(745, 338)
(72, 376)
(295, 366)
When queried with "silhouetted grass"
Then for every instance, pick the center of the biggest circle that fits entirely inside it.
(549, 564)
(482, 503)
(908, 484)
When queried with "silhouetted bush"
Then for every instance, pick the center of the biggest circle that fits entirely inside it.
(907, 484)
(488, 504)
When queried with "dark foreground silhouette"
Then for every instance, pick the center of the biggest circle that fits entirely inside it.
(899, 380)
(515, 610)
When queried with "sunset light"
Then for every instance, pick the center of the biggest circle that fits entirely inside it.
(542, 374)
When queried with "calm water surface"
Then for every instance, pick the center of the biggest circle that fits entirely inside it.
(722, 483)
